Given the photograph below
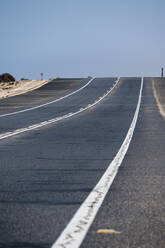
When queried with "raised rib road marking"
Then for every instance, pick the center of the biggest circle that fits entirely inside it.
(76, 230)
(48, 103)
(44, 123)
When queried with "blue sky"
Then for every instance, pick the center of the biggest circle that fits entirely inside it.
(74, 38)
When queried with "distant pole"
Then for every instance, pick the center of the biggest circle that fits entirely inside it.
(162, 72)
(41, 75)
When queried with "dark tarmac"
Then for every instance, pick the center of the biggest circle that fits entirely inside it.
(46, 174)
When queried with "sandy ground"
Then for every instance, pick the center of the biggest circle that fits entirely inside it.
(19, 87)
(158, 85)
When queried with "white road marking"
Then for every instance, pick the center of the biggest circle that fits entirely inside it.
(74, 233)
(44, 123)
(45, 104)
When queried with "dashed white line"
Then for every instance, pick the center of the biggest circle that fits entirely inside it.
(44, 123)
(45, 104)
(76, 230)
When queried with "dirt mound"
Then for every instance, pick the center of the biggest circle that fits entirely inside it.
(6, 77)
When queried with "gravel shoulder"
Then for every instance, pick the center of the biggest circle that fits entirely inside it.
(158, 85)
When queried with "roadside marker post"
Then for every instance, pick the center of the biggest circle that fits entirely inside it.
(41, 75)
(162, 72)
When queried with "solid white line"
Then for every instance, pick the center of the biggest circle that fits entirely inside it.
(45, 104)
(76, 230)
(44, 123)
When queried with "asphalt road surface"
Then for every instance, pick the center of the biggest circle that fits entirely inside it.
(46, 93)
(47, 173)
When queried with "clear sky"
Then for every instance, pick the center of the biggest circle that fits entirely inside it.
(74, 38)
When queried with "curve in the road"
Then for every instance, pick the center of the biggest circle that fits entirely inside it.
(48, 103)
(44, 123)
(76, 230)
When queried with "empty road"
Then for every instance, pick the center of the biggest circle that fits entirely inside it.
(96, 148)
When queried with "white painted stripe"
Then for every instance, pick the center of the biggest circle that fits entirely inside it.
(76, 230)
(45, 104)
(44, 123)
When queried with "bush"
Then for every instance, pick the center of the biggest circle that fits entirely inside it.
(24, 79)
(6, 77)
